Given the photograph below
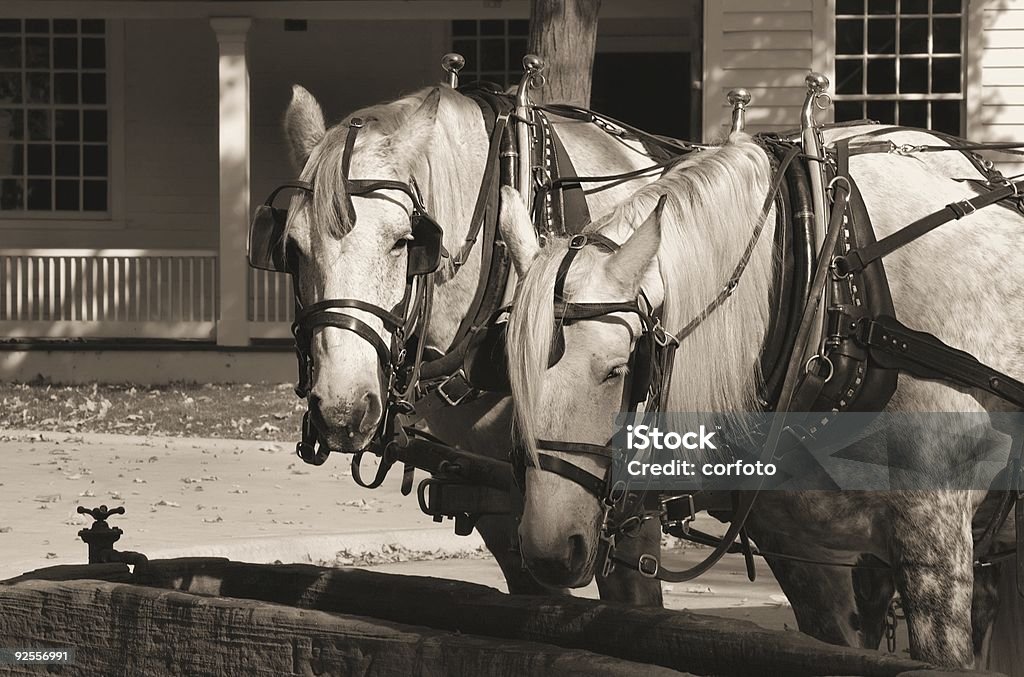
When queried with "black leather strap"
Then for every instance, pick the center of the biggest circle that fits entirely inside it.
(857, 259)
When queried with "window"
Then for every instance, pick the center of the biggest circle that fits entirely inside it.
(900, 62)
(494, 49)
(54, 130)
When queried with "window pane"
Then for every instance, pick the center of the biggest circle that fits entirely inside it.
(464, 27)
(65, 26)
(10, 87)
(94, 125)
(94, 88)
(65, 53)
(94, 53)
(94, 160)
(39, 159)
(492, 27)
(12, 124)
(67, 125)
(849, 110)
(11, 158)
(94, 196)
(10, 52)
(67, 195)
(10, 25)
(946, 75)
(849, 76)
(66, 158)
(946, 36)
(883, 111)
(516, 52)
(913, 7)
(40, 194)
(947, 6)
(37, 52)
(881, 36)
(913, 76)
(946, 116)
(849, 36)
(492, 55)
(37, 88)
(12, 194)
(65, 87)
(914, 113)
(882, 76)
(914, 36)
(881, 6)
(518, 27)
(39, 125)
(37, 25)
(850, 7)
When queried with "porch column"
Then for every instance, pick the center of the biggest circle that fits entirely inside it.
(233, 68)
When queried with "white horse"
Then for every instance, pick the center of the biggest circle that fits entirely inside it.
(437, 138)
(961, 282)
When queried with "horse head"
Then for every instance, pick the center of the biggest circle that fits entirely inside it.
(352, 238)
(573, 374)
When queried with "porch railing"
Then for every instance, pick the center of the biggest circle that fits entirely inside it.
(110, 293)
(271, 304)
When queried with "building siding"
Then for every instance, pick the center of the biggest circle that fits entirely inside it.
(995, 74)
(767, 47)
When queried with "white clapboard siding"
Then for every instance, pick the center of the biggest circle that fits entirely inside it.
(271, 304)
(995, 74)
(129, 293)
(768, 47)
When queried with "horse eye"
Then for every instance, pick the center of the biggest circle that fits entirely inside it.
(617, 372)
(402, 243)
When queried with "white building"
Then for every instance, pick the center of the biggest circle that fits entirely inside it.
(136, 135)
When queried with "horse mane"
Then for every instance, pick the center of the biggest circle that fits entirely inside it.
(443, 165)
(715, 200)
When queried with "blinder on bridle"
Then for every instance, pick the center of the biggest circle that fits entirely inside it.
(642, 360)
(268, 250)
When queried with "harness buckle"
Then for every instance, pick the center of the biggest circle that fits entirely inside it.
(455, 399)
(647, 565)
(962, 208)
(578, 241)
(691, 514)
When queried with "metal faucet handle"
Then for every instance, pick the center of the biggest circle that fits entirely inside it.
(452, 63)
(101, 513)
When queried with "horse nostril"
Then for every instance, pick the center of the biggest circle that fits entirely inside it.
(371, 412)
(577, 553)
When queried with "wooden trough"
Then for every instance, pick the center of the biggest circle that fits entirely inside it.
(217, 617)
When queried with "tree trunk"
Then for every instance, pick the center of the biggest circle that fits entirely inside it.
(564, 34)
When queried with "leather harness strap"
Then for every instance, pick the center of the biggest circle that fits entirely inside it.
(857, 259)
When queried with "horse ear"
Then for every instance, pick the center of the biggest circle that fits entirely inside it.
(409, 142)
(517, 230)
(303, 125)
(629, 265)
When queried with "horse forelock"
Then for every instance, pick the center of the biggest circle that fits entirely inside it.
(444, 164)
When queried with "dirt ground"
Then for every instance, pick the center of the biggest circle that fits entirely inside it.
(255, 501)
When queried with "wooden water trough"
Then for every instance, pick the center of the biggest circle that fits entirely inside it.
(216, 617)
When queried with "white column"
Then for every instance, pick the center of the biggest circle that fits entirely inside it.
(233, 68)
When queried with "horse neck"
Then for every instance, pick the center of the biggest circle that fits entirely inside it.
(717, 367)
(457, 176)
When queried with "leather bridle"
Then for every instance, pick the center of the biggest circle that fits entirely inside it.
(397, 368)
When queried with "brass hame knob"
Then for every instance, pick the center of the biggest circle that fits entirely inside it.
(452, 63)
